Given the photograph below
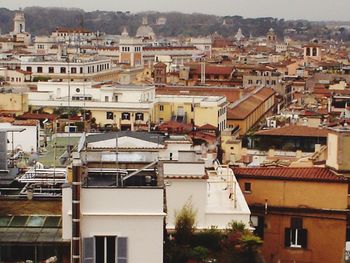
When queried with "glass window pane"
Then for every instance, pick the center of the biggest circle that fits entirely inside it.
(52, 221)
(19, 221)
(36, 221)
(5, 220)
(100, 249)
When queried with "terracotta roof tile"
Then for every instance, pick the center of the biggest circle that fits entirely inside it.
(207, 127)
(295, 130)
(214, 70)
(37, 116)
(25, 122)
(249, 104)
(231, 93)
(290, 173)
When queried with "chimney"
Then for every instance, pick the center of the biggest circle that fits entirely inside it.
(299, 154)
(3, 151)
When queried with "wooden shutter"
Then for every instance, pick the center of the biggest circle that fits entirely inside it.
(89, 250)
(261, 227)
(122, 250)
(287, 237)
(303, 238)
(296, 222)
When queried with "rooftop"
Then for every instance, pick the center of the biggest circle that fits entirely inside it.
(295, 131)
(317, 174)
(145, 136)
(245, 106)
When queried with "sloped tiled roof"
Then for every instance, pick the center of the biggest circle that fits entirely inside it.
(207, 126)
(295, 131)
(319, 174)
(214, 69)
(242, 109)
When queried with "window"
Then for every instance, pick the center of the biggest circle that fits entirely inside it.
(81, 70)
(139, 116)
(125, 116)
(73, 70)
(273, 82)
(247, 187)
(29, 69)
(106, 98)
(105, 249)
(250, 81)
(63, 70)
(51, 70)
(296, 235)
(39, 69)
(161, 107)
(109, 115)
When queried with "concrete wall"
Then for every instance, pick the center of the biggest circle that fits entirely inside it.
(133, 213)
(292, 193)
(323, 245)
(26, 140)
(14, 102)
(338, 150)
(181, 191)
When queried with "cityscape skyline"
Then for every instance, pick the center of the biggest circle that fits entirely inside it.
(326, 11)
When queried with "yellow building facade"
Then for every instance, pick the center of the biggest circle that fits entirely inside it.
(197, 110)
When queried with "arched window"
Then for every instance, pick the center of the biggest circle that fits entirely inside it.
(308, 51)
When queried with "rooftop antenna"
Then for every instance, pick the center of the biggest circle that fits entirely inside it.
(69, 108)
(116, 157)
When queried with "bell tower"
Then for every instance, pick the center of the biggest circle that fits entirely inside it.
(19, 23)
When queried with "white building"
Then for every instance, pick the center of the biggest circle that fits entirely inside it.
(28, 140)
(202, 44)
(125, 106)
(118, 227)
(117, 212)
(122, 195)
(52, 67)
(215, 195)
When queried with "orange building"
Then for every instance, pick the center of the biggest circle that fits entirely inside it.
(160, 73)
(247, 111)
(301, 213)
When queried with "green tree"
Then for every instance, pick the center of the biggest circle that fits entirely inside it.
(185, 220)
(240, 245)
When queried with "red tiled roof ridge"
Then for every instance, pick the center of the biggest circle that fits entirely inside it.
(295, 130)
(290, 173)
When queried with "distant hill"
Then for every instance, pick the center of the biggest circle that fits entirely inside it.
(41, 21)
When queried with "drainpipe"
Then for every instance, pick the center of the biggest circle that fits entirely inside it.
(76, 187)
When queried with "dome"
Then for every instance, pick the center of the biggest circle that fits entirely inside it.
(145, 31)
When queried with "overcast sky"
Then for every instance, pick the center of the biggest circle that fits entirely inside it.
(288, 9)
